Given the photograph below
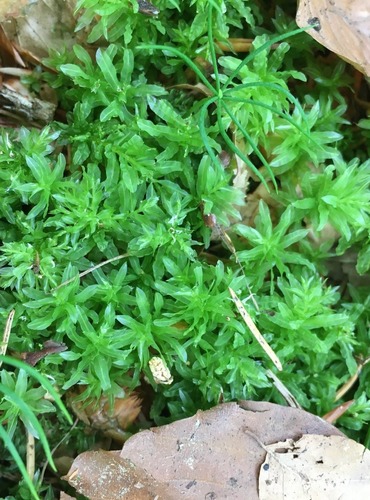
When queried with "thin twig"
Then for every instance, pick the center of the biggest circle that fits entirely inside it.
(337, 412)
(351, 381)
(6, 335)
(41, 478)
(210, 221)
(256, 333)
(30, 456)
(284, 391)
(90, 270)
(227, 240)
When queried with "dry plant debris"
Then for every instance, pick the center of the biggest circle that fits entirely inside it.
(37, 26)
(214, 454)
(315, 467)
(343, 26)
(99, 414)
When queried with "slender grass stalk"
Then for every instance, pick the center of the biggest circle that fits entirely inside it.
(41, 379)
(18, 460)
(260, 49)
(223, 93)
(213, 52)
(249, 140)
(182, 56)
(241, 155)
(18, 402)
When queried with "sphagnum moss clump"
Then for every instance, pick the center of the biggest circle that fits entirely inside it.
(104, 245)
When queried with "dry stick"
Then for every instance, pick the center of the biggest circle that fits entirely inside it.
(256, 333)
(351, 381)
(30, 455)
(211, 222)
(6, 335)
(284, 391)
(337, 412)
(90, 270)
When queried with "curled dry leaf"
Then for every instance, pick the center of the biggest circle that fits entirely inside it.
(8, 54)
(343, 26)
(214, 454)
(49, 347)
(315, 467)
(98, 414)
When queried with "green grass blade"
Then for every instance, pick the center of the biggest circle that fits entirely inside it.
(251, 142)
(18, 460)
(203, 132)
(212, 49)
(41, 379)
(263, 47)
(237, 151)
(272, 86)
(276, 111)
(186, 60)
(216, 6)
(18, 402)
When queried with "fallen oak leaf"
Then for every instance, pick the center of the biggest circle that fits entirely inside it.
(214, 454)
(342, 26)
(104, 475)
(315, 467)
(39, 25)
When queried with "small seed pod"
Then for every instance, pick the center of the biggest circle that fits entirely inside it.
(160, 371)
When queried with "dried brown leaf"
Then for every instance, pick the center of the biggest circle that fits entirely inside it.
(213, 455)
(11, 8)
(65, 496)
(39, 25)
(198, 88)
(99, 414)
(104, 475)
(315, 467)
(343, 26)
(49, 347)
(8, 54)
